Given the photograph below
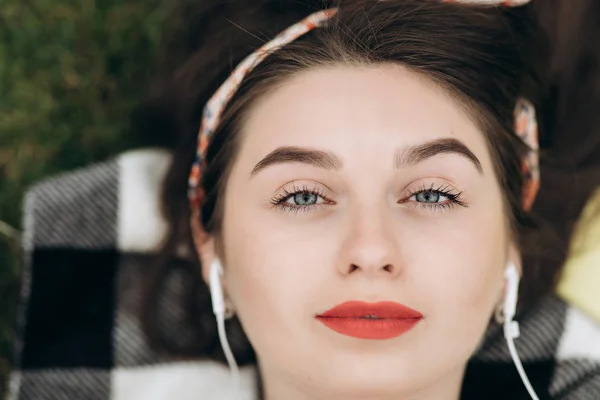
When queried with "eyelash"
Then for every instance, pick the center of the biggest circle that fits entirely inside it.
(454, 198)
(280, 199)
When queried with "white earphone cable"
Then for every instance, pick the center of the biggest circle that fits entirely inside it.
(511, 331)
(218, 303)
(511, 327)
(233, 367)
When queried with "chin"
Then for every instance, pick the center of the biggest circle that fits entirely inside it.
(372, 377)
(370, 387)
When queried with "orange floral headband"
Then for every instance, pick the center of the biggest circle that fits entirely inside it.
(525, 118)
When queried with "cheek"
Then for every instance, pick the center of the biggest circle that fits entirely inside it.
(271, 277)
(465, 281)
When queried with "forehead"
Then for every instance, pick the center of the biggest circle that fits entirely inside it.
(360, 107)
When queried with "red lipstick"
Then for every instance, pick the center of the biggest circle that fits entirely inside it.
(382, 320)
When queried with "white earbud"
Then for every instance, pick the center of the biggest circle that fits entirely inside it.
(218, 304)
(511, 297)
(511, 328)
(216, 290)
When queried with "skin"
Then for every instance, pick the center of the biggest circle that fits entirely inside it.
(376, 232)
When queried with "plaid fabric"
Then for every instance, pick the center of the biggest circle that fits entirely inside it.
(90, 235)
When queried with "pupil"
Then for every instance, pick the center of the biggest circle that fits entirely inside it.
(428, 197)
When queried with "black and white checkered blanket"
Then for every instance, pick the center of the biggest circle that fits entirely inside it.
(90, 235)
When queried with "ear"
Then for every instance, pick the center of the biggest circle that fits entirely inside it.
(205, 247)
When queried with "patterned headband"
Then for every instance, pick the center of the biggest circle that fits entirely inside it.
(525, 119)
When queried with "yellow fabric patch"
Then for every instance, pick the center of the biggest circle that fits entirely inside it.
(580, 283)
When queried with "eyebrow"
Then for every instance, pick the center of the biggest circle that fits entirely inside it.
(415, 154)
(403, 158)
(292, 154)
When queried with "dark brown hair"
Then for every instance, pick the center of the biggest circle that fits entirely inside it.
(571, 121)
(485, 57)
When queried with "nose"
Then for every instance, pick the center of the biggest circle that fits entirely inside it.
(370, 246)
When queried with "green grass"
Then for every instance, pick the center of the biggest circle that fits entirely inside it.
(71, 72)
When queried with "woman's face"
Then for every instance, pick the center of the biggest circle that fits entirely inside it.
(362, 184)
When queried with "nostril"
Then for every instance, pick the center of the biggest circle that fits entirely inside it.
(353, 268)
(388, 268)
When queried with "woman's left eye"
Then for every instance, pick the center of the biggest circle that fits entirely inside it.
(435, 198)
(303, 199)
(429, 197)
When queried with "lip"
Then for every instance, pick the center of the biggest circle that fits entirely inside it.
(381, 320)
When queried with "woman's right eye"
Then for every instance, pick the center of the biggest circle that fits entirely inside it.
(300, 200)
